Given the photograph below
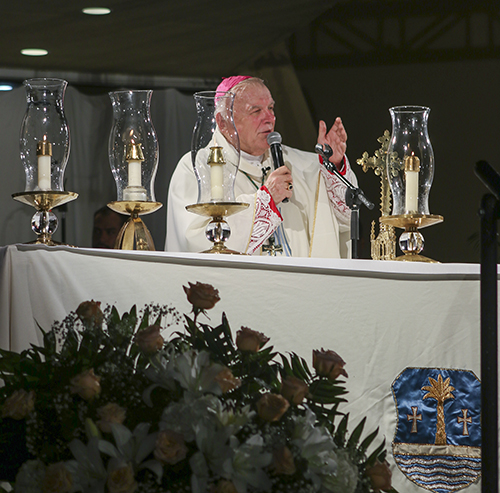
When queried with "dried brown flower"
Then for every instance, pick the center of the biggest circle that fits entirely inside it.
(294, 389)
(19, 404)
(250, 340)
(202, 296)
(380, 476)
(271, 407)
(90, 313)
(283, 462)
(149, 339)
(86, 385)
(328, 364)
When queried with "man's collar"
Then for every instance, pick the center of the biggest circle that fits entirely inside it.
(253, 168)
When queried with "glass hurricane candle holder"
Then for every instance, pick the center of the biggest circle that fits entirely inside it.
(410, 171)
(133, 146)
(44, 142)
(215, 154)
(44, 150)
(133, 157)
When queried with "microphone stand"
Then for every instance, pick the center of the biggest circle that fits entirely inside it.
(354, 196)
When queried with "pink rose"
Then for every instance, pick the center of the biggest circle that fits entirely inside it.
(121, 479)
(294, 390)
(86, 385)
(271, 407)
(19, 404)
(224, 486)
(57, 479)
(250, 340)
(149, 339)
(328, 364)
(109, 414)
(227, 381)
(170, 447)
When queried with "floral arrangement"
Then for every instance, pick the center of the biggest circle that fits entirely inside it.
(106, 404)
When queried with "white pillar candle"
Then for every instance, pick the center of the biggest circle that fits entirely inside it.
(412, 168)
(44, 156)
(134, 157)
(216, 163)
(216, 181)
(134, 174)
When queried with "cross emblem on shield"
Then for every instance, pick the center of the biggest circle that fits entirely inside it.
(437, 444)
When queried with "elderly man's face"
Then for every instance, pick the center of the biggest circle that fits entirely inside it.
(254, 118)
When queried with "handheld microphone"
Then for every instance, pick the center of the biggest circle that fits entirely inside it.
(274, 141)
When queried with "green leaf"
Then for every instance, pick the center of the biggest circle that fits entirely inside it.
(300, 368)
(341, 431)
(326, 392)
(367, 441)
(375, 454)
(49, 341)
(356, 434)
(114, 318)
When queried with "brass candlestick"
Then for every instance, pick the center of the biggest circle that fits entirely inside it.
(411, 240)
(410, 171)
(44, 221)
(218, 231)
(134, 235)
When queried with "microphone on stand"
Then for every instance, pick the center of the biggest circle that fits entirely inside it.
(353, 196)
(325, 151)
(274, 141)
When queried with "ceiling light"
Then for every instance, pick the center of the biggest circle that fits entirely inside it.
(6, 87)
(34, 52)
(96, 11)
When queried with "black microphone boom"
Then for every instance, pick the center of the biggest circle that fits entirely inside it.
(274, 141)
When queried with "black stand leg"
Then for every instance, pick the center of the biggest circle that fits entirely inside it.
(351, 199)
(489, 214)
(489, 345)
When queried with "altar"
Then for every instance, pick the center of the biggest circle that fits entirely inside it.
(380, 316)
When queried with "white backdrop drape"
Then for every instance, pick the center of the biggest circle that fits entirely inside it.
(88, 172)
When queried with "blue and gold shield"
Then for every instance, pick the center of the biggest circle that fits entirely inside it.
(437, 443)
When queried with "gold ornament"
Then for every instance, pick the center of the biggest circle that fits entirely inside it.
(383, 246)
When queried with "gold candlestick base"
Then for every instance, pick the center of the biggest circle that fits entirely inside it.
(44, 221)
(218, 230)
(411, 240)
(134, 235)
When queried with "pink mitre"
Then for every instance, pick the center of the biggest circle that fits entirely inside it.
(229, 82)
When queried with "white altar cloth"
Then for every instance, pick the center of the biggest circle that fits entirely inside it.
(381, 317)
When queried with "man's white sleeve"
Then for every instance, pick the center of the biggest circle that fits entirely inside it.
(336, 194)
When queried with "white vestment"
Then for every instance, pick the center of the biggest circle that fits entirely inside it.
(316, 220)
